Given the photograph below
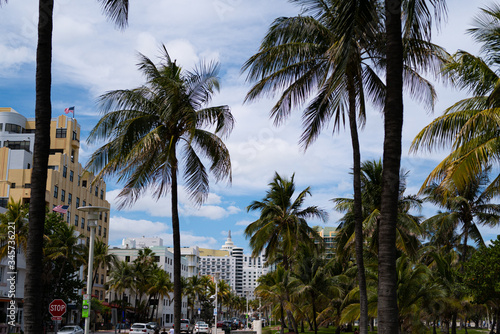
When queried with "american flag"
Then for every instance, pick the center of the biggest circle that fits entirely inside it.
(69, 110)
(61, 208)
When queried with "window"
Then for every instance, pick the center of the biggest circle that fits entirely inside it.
(76, 220)
(56, 191)
(61, 133)
(13, 128)
(65, 171)
(102, 282)
(102, 194)
(27, 185)
(63, 195)
(1, 127)
(71, 175)
(156, 259)
(78, 202)
(13, 185)
(84, 203)
(127, 258)
(104, 233)
(105, 217)
(79, 178)
(68, 217)
(84, 183)
(72, 155)
(70, 198)
(74, 136)
(99, 232)
(17, 144)
(83, 222)
(96, 191)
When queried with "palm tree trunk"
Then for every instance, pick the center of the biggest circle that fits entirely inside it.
(177, 251)
(393, 124)
(33, 297)
(358, 214)
(282, 319)
(315, 324)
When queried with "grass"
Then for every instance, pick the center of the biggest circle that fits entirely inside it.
(331, 330)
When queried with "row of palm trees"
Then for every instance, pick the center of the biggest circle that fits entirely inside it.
(138, 283)
(308, 287)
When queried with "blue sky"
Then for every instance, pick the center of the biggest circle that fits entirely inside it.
(90, 57)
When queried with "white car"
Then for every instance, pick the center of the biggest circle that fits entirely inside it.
(141, 328)
(72, 329)
(201, 327)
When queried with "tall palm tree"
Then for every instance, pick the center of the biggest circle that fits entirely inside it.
(323, 54)
(117, 11)
(417, 22)
(121, 279)
(282, 224)
(155, 129)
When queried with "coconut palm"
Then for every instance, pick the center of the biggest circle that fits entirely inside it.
(121, 279)
(471, 125)
(408, 225)
(282, 224)
(117, 11)
(102, 257)
(465, 208)
(416, 22)
(154, 130)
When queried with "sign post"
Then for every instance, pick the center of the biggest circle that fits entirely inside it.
(86, 306)
(57, 308)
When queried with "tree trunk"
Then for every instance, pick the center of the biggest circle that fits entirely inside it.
(393, 124)
(177, 252)
(454, 323)
(33, 298)
(358, 213)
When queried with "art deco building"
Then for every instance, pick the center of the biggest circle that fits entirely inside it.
(67, 182)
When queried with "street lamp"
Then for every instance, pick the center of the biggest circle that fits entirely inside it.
(216, 278)
(92, 217)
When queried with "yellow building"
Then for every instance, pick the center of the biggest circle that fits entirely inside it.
(67, 182)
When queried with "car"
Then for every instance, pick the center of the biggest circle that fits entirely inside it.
(186, 326)
(201, 327)
(141, 328)
(71, 329)
(153, 324)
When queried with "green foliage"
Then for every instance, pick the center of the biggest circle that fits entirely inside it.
(482, 272)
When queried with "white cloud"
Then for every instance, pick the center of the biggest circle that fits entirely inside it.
(243, 223)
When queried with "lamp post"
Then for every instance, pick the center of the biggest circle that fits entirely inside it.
(92, 217)
(216, 278)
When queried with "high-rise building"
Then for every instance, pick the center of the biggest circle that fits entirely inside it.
(67, 182)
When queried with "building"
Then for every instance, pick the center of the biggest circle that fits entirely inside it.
(165, 260)
(230, 264)
(328, 234)
(67, 182)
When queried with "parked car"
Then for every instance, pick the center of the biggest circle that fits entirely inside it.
(154, 325)
(141, 328)
(186, 326)
(72, 329)
(201, 327)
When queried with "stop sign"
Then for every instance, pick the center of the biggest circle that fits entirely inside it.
(57, 307)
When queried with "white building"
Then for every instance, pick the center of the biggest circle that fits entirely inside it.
(165, 259)
(238, 270)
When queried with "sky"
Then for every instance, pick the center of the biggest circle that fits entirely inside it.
(91, 57)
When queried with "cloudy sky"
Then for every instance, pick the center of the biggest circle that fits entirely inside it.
(91, 57)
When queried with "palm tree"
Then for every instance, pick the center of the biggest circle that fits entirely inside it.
(282, 224)
(102, 257)
(417, 23)
(117, 11)
(408, 228)
(121, 279)
(150, 128)
(13, 223)
(467, 207)
(160, 286)
(470, 125)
